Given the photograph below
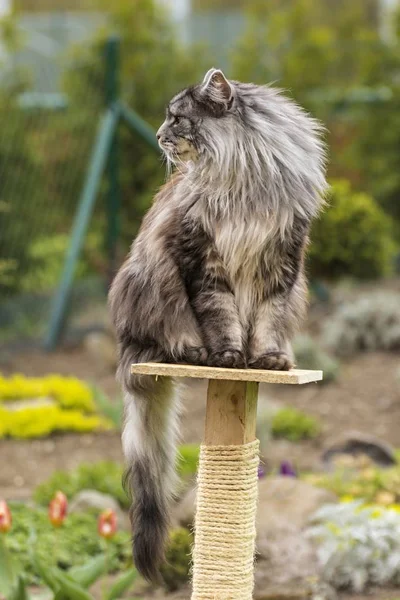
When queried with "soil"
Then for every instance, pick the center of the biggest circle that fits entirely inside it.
(366, 397)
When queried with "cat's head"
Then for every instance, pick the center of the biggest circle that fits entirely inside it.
(194, 116)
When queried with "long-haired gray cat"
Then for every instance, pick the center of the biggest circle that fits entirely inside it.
(216, 273)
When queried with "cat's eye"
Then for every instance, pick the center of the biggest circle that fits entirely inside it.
(177, 120)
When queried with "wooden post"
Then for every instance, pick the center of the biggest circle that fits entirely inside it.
(223, 554)
(231, 412)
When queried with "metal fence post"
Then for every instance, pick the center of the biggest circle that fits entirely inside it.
(113, 201)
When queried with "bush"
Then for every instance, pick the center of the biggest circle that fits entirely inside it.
(41, 421)
(105, 477)
(176, 569)
(310, 356)
(45, 257)
(67, 392)
(369, 323)
(333, 59)
(294, 425)
(154, 67)
(189, 459)
(358, 546)
(353, 237)
(73, 545)
(46, 405)
(370, 483)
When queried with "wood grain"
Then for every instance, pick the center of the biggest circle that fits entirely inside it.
(231, 414)
(295, 376)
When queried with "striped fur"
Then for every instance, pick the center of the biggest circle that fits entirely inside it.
(216, 273)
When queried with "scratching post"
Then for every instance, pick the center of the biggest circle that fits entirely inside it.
(227, 494)
(225, 531)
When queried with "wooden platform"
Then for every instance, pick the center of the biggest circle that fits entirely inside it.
(295, 376)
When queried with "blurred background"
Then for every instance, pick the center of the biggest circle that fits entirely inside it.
(83, 87)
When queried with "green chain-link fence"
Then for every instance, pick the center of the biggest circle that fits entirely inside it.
(45, 143)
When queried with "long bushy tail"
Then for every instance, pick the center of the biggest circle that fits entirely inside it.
(149, 441)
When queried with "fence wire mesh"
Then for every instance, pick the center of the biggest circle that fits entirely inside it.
(49, 118)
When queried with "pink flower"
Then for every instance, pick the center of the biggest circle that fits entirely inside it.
(5, 517)
(107, 524)
(58, 508)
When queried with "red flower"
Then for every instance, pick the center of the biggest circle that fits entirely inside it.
(58, 509)
(107, 524)
(5, 517)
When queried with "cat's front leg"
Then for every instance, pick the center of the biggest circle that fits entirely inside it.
(211, 298)
(217, 314)
(269, 346)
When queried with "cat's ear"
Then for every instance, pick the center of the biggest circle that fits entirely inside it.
(217, 88)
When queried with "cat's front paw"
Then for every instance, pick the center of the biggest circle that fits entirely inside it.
(272, 361)
(196, 355)
(228, 359)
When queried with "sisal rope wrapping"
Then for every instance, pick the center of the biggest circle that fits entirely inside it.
(223, 554)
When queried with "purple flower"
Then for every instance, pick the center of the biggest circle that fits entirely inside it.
(261, 472)
(286, 469)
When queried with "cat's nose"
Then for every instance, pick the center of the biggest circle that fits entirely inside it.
(159, 133)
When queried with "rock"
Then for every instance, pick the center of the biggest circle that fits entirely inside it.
(355, 443)
(94, 500)
(286, 500)
(286, 558)
(287, 567)
(102, 348)
(282, 501)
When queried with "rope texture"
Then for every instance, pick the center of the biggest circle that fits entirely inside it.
(223, 554)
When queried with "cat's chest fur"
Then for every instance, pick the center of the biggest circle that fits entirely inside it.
(242, 245)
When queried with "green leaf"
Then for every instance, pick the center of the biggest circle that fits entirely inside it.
(20, 592)
(69, 589)
(48, 574)
(8, 575)
(122, 584)
(89, 573)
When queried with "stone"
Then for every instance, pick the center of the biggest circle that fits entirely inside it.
(286, 500)
(356, 443)
(282, 500)
(286, 559)
(102, 347)
(94, 500)
(286, 564)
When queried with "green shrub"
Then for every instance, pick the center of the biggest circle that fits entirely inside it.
(369, 323)
(154, 66)
(175, 571)
(369, 483)
(189, 459)
(56, 404)
(294, 425)
(72, 545)
(45, 256)
(105, 477)
(353, 237)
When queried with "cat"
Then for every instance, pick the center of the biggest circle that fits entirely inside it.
(216, 273)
